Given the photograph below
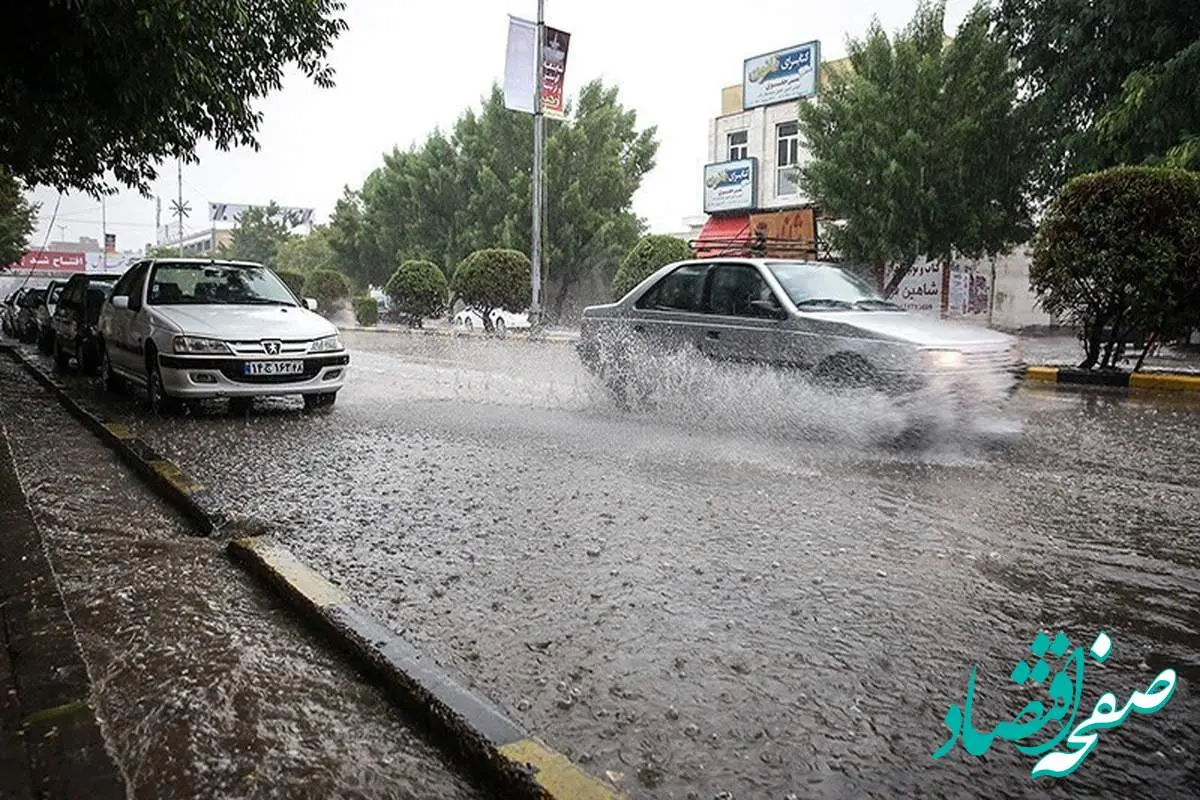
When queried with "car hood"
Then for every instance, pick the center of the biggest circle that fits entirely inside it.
(246, 323)
(919, 329)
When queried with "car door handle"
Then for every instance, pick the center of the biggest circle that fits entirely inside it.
(712, 334)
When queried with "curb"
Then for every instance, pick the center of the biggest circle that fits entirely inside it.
(470, 728)
(475, 729)
(1155, 381)
(188, 496)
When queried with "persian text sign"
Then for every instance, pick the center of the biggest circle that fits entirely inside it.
(729, 186)
(795, 226)
(52, 261)
(782, 76)
(520, 68)
(920, 289)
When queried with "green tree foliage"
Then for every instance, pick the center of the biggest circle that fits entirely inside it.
(471, 189)
(366, 310)
(352, 243)
(162, 251)
(304, 254)
(328, 288)
(493, 278)
(1119, 252)
(134, 84)
(650, 253)
(258, 235)
(294, 280)
(417, 289)
(17, 218)
(1106, 82)
(917, 146)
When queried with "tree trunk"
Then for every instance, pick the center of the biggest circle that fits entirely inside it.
(1151, 342)
(561, 298)
(1115, 333)
(488, 327)
(1091, 343)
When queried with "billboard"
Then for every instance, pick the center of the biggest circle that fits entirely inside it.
(794, 231)
(779, 77)
(51, 261)
(229, 212)
(520, 69)
(730, 186)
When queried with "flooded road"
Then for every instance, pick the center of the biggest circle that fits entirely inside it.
(204, 687)
(741, 591)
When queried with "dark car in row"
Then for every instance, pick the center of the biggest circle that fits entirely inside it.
(74, 328)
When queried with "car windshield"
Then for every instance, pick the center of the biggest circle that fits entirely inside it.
(823, 286)
(216, 284)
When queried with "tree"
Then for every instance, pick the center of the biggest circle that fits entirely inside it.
(366, 310)
(328, 288)
(1119, 252)
(17, 218)
(649, 254)
(417, 290)
(258, 235)
(471, 189)
(490, 279)
(1105, 82)
(352, 243)
(134, 84)
(918, 147)
(304, 254)
(294, 280)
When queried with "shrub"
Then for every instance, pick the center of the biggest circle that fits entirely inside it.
(1119, 253)
(366, 310)
(491, 279)
(417, 290)
(293, 279)
(327, 287)
(649, 254)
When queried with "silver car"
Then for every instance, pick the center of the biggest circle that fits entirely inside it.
(806, 316)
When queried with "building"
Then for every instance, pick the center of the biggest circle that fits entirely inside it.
(203, 243)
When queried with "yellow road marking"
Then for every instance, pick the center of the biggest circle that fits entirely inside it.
(308, 583)
(120, 431)
(1041, 373)
(1174, 383)
(555, 773)
(175, 477)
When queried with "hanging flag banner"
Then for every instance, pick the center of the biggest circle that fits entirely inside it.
(520, 69)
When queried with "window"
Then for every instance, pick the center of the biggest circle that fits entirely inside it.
(123, 286)
(735, 287)
(681, 290)
(216, 284)
(787, 138)
(738, 145)
(827, 287)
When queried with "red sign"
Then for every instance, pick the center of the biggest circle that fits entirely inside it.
(554, 68)
(51, 261)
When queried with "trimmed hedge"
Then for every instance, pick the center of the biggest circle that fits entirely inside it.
(649, 254)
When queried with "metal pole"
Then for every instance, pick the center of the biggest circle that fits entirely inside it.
(535, 307)
(179, 177)
(104, 234)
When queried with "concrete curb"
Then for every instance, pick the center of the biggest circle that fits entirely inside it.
(190, 497)
(473, 728)
(1155, 381)
(468, 727)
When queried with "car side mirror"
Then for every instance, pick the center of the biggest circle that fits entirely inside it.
(120, 301)
(310, 304)
(768, 309)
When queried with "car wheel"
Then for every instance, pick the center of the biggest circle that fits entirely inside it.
(847, 371)
(322, 400)
(46, 342)
(86, 358)
(156, 394)
(501, 328)
(61, 359)
(112, 381)
(468, 323)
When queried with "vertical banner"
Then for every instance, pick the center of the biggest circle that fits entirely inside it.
(520, 69)
(110, 243)
(554, 73)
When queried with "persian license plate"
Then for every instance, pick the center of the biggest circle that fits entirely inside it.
(274, 367)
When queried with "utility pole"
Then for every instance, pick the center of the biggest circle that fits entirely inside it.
(179, 209)
(104, 233)
(157, 219)
(535, 308)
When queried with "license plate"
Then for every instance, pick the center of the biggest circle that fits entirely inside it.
(274, 367)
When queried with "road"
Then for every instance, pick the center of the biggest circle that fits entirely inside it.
(741, 591)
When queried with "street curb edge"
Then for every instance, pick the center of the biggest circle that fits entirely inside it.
(472, 728)
(1154, 381)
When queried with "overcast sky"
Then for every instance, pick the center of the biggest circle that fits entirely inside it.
(405, 68)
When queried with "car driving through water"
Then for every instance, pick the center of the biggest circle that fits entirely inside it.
(198, 329)
(812, 317)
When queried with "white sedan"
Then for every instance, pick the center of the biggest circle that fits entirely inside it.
(197, 329)
(470, 319)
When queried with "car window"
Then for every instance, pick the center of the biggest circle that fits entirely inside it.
(680, 290)
(217, 284)
(807, 283)
(735, 287)
(122, 287)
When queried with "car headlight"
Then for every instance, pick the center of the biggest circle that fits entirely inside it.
(942, 359)
(198, 345)
(326, 345)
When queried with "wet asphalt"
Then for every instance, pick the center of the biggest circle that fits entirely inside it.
(744, 592)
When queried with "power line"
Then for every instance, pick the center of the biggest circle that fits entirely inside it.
(42, 249)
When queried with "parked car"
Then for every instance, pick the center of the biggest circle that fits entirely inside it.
(25, 324)
(470, 319)
(45, 313)
(8, 312)
(808, 316)
(74, 329)
(196, 329)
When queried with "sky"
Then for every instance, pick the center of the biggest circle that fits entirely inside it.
(406, 68)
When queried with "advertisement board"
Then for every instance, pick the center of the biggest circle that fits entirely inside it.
(782, 76)
(520, 70)
(730, 186)
(51, 261)
(792, 232)
(229, 212)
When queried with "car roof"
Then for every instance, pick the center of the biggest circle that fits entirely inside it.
(223, 262)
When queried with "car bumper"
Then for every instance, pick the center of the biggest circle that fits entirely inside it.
(201, 378)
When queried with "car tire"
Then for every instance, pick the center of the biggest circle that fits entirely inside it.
(157, 398)
(317, 401)
(86, 359)
(847, 371)
(46, 342)
(500, 327)
(112, 381)
(61, 360)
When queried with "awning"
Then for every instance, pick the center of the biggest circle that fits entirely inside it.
(723, 236)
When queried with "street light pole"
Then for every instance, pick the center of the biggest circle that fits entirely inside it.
(535, 250)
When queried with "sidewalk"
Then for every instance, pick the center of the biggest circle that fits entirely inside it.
(1065, 351)
(50, 741)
